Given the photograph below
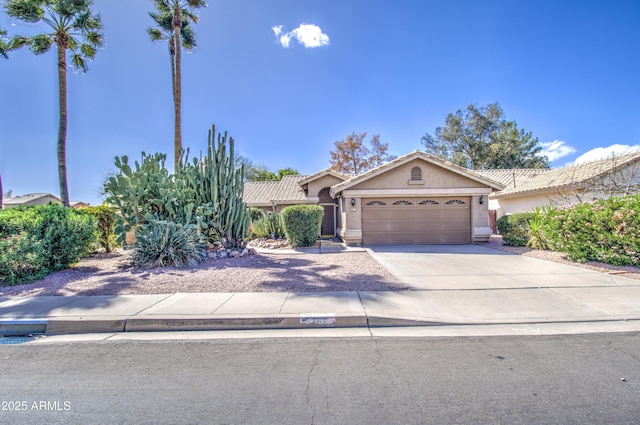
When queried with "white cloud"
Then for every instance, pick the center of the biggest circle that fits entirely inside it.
(608, 151)
(556, 149)
(308, 35)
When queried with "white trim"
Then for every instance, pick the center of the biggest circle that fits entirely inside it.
(367, 193)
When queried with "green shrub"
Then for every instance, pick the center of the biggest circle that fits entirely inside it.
(162, 243)
(302, 224)
(22, 259)
(14, 221)
(256, 214)
(268, 227)
(537, 239)
(606, 230)
(43, 239)
(515, 228)
(106, 220)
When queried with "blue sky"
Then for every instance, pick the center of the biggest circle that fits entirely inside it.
(565, 70)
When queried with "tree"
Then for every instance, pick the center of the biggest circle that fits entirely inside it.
(4, 47)
(173, 19)
(287, 172)
(612, 176)
(75, 29)
(352, 156)
(253, 172)
(481, 138)
(259, 173)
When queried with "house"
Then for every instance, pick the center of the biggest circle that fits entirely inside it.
(527, 189)
(415, 199)
(32, 199)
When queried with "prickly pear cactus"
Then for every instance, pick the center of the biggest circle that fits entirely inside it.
(206, 192)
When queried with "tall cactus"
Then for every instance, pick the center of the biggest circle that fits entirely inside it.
(218, 184)
(206, 191)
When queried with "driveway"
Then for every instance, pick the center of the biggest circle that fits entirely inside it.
(446, 267)
(468, 284)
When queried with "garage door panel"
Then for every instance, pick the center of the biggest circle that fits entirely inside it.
(416, 221)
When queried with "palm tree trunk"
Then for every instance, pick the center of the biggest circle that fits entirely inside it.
(177, 99)
(62, 125)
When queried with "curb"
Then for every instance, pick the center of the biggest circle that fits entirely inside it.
(63, 326)
(11, 327)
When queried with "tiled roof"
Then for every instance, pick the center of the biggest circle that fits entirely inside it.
(565, 176)
(507, 177)
(325, 172)
(290, 190)
(264, 192)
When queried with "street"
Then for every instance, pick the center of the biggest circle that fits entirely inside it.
(567, 379)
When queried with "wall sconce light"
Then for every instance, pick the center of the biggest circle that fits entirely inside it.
(353, 202)
(481, 199)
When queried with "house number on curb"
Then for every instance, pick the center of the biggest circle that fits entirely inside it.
(317, 319)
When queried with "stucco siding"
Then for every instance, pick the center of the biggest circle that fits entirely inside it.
(433, 177)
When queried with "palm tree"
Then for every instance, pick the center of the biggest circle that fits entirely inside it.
(173, 19)
(3, 49)
(75, 29)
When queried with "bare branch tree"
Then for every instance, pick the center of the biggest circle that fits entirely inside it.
(614, 176)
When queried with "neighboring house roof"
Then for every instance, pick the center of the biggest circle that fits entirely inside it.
(28, 199)
(325, 172)
(410, 157)
(263, 193)
(559, 178)
(508, 176)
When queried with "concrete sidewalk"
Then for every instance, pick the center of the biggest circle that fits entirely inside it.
(273, 310)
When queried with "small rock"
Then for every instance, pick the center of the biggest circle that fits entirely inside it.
(222, 254)
(212, 254)
(252, 251)
(234, 254)
(623, 379)
(244, 252)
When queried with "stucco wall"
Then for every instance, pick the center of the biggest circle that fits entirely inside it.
(397, 183)
(433, 177)
(316, 186)
(523, 203)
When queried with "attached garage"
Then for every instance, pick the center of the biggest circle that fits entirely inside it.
(415, 199)
(421, 220)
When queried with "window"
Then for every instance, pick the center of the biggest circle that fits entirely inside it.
(402, 202)
(416, 173)
(376, 203)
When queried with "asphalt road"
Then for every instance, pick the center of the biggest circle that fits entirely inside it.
(577, 379)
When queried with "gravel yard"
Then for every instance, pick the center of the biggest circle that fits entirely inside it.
(108, 274)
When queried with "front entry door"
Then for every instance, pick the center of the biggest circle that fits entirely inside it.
(328, 220)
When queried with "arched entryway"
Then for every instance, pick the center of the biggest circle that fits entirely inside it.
(329, 219)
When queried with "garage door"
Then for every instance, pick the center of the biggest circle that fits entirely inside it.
(416, 221)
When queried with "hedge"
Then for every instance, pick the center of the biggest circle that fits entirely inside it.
(302, 224)
(514, 228)
(35, 241)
